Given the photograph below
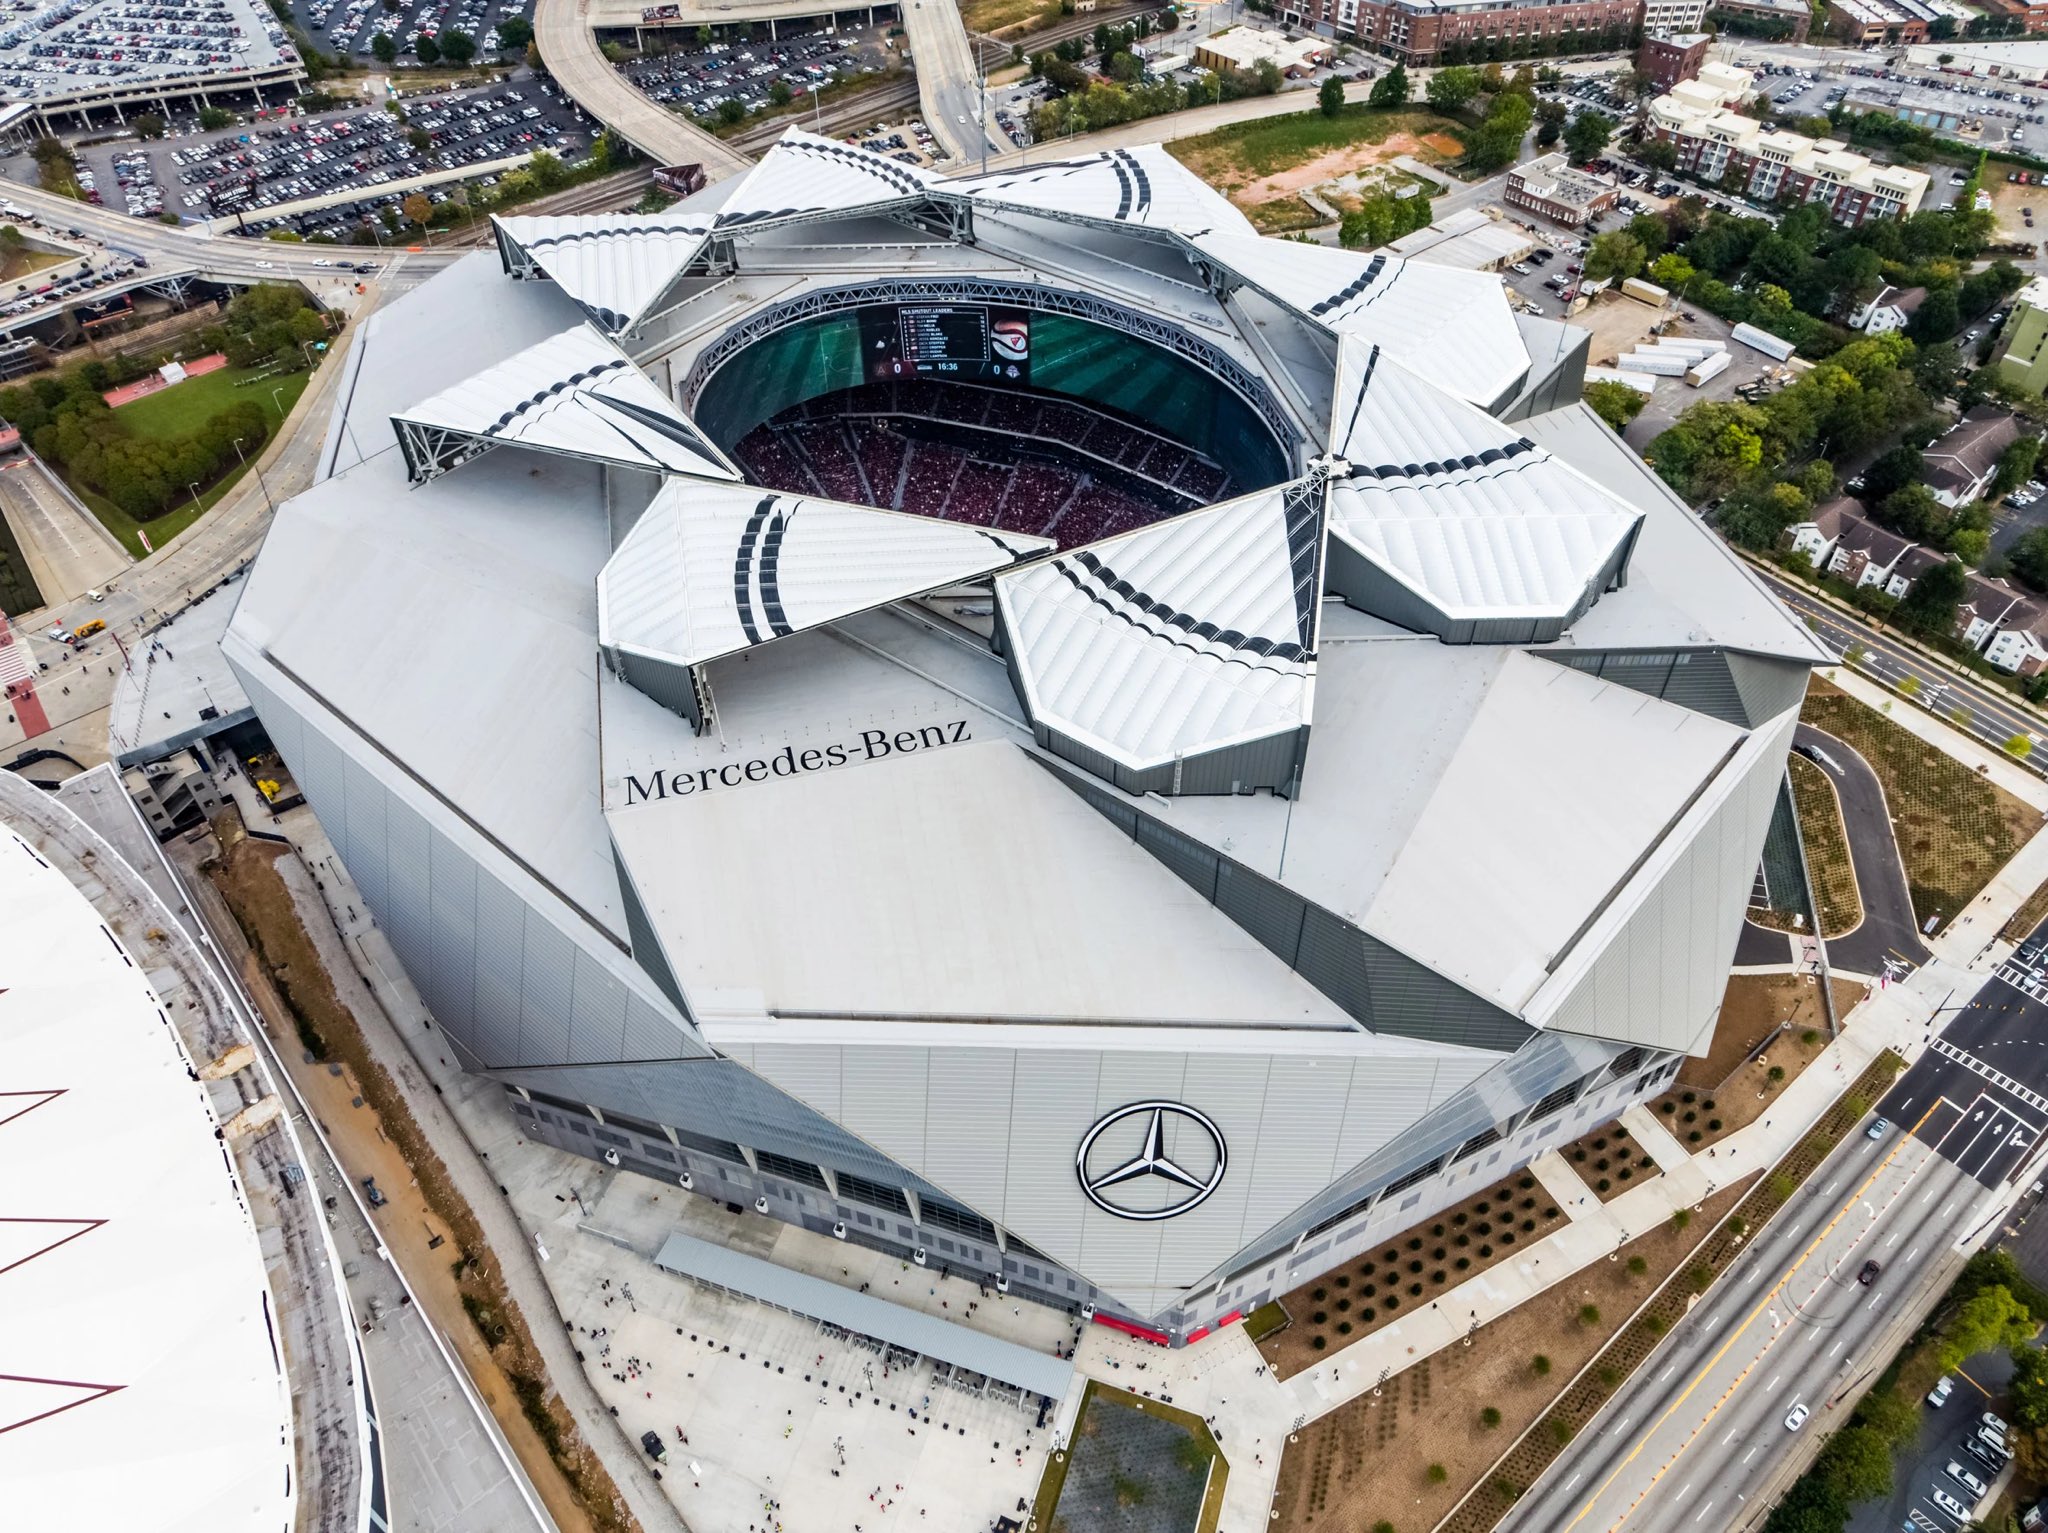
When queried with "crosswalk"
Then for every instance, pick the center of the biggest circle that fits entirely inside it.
(1997, 1077)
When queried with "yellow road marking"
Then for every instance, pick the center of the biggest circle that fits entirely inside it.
(1715, 1361)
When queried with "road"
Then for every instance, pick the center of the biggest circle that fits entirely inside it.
(1700, 1431)
(568, 46)
(1888, 937)
(1993, 717)
(948, 84)
(67, 549)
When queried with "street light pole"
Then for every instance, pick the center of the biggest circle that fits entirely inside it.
(196, 506)
(277, 399)
(267, 501)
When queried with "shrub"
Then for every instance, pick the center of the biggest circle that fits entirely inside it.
(1462, 1263)
(1775, 1074)
(1320, 1317)
(1525, 1182)
(1414, 1290)
(1365, 1315)
(1415, 1243)
(1550, 1212)
(1708, 1104)
(1460, 1217)
(1540, 1364)
(1589, 1315)
(1688, 1098)
(1782, 1185)
(1343, 1306)
(1438, 1474)
(1609, 1375)
(1680, 1218)
(1489, 1418)
(1699, 1275)
(1713, 1125)
(1320, 1294)
(1318, 1342)
(1416, 1265)
(1484, 1252)
(1383, 1526)
(1437, 1276)
(1694, 1137)
(1602, 1185)
(1343, 1327)
(1637, 1266)
(1579, 1155)
(1437, 1230)
(1438, 1254)
(1561, 1430)
(1667, 1106)
(1810, 1037)
(1343, 1280)
(1656, 1325)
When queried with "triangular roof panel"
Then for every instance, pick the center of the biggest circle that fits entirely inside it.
(711, 570)
(1181, 637)
(615, 265)
(805, 175)
(1458, 506)
(575, 393)
(1455, 326)
(1145, 186)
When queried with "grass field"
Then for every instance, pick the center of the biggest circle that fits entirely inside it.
(1828, 865)
(1954, 828)
(992, 16)
(174, 412)
(1267, 146)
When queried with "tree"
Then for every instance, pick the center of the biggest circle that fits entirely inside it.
(1937, 318)
(147, 125)
(1493, 144)
(457, 47)
(2015, 466)
(1587, 136)
(1931, 607)
(428, 50)
(1657, 153)
(1671, 270)
(2026, 1392)
(1857, 1463)
(1615, 403)
(420, 139)
(1994, 1320)
(212, 117)
(1616, 256)
(1330, 97)
(384, 47)
(1891, 473)
(779, 94)
(1913, 512)
(1451, 87)
(2029, 560)
(514, 33)
(417, 210)
(1390, 89)
(731, 112)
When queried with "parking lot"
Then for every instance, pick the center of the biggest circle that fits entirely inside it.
(246, 170)
(67, 48)
(688, 76)
(350, 26)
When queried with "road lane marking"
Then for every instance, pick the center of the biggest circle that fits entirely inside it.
(1762, 1304)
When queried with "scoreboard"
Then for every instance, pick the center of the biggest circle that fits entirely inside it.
(966, 341)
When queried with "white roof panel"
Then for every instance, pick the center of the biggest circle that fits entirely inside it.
(1181, 637)
(1458, 506)
(574, 393)
(613, 264)
(143, 1388)
(805, 174)
(1454, 326)
(1144, 186)
(710, 570)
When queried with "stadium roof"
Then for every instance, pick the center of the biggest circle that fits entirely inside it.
(1181, 637)
(710, 571)
(575, 393)
(1144, 186)
(1460, 508)
(615, 267)
(1451, 325)
(140, 1385)
(803, 175)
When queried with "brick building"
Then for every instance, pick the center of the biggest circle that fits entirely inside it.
(1671, 58)
(1417, 31)
(1781, 20)
(1550, 188)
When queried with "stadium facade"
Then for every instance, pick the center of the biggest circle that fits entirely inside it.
(1014, 721)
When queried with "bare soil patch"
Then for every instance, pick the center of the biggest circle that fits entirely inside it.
(1755, 1007)
(1699, 1117)
(429, 1222)
(1327, 167)
(1406, 1271)
(1374, 1458)
(1609, 1161)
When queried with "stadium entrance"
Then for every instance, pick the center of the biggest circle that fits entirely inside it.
(994, 414)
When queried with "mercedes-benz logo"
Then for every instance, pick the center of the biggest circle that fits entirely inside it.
(1158, 1147)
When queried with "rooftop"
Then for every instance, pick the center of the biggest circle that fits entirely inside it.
(64, 52)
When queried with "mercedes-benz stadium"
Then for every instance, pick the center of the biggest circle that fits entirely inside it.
(1015, 721)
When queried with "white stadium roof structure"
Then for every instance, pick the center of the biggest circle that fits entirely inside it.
(1399, 781)
(140, 1382)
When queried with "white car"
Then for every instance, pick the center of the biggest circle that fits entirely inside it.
(1943, 1388)
(1797, 1417)
(323, 261)
(1968, 1481)
(1949, 1504)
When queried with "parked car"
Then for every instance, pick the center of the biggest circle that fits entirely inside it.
(1943, 1388)
(1967, 1480)
(1949, 1504)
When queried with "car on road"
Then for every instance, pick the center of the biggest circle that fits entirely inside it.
(1949, 1504)
(1943, 1388)
(1869, 1273)
(1877, 1130)
(1967, 1480)
(1796, 1417)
